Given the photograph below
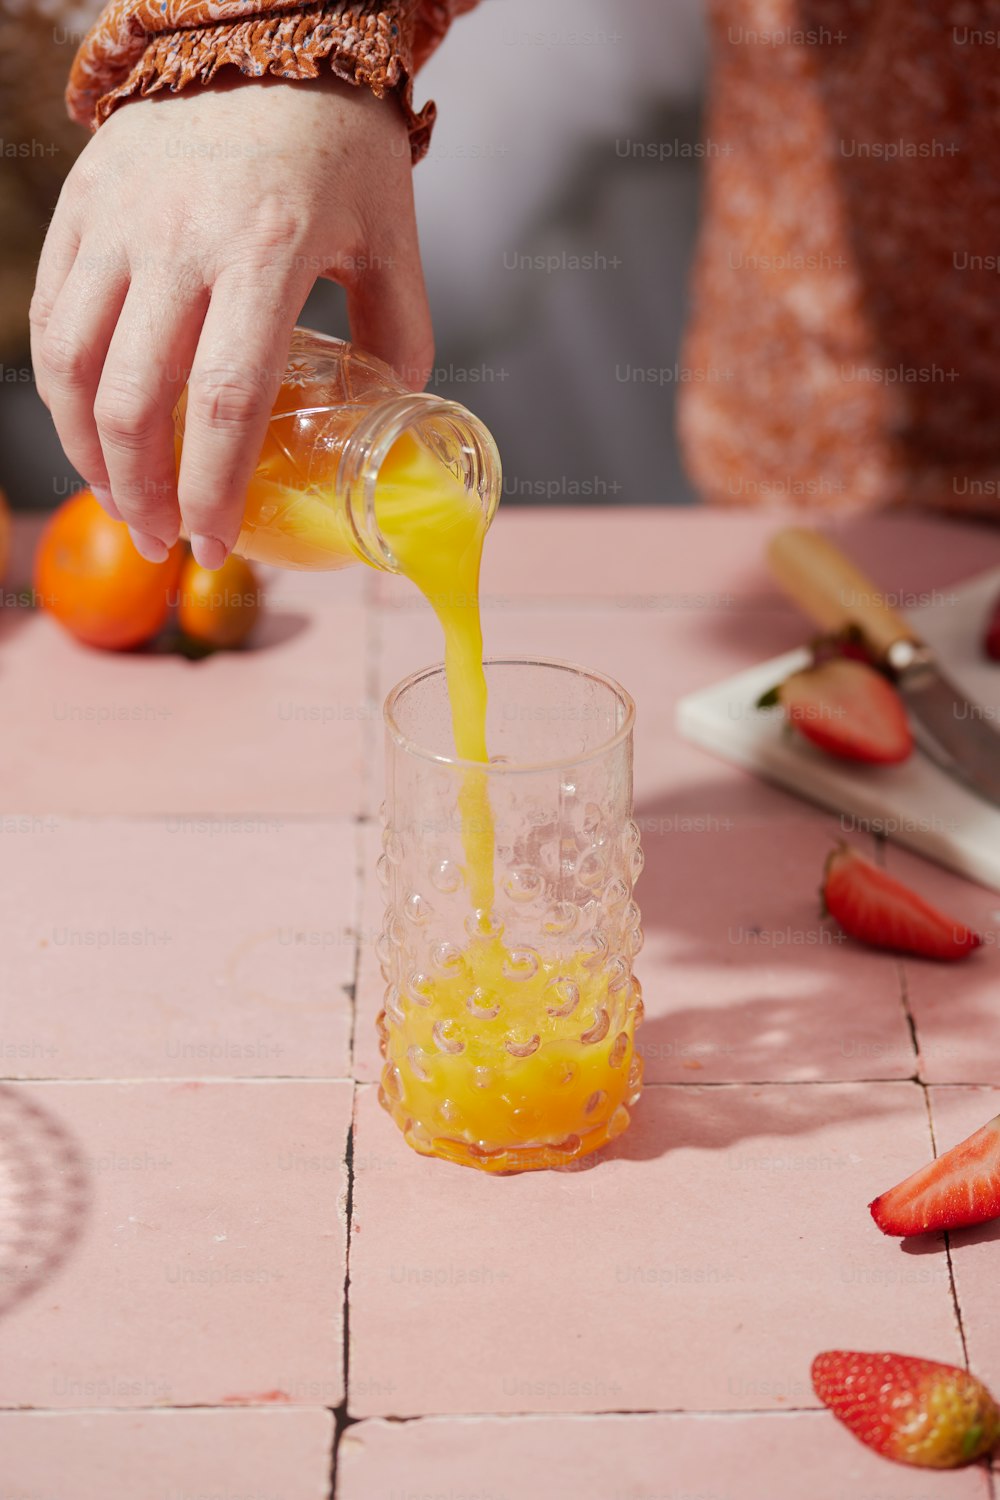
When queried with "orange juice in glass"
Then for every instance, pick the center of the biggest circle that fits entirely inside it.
(508, 1028)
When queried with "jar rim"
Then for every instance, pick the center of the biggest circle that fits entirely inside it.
(368, 447)
(520, 767)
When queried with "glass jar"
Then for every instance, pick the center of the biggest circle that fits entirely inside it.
(313, 501)
(508, 1029)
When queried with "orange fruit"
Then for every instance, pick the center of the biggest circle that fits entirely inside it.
(218, 606)
(91, 578)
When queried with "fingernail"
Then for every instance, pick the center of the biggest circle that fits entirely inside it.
(208, 551)
(102, 495)
(149, 547)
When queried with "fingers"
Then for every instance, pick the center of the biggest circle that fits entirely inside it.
(59, 251)
(146, 367)
(70, 333)
(388, 309)
(232, 387)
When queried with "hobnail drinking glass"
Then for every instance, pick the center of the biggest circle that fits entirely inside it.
(508, 1028)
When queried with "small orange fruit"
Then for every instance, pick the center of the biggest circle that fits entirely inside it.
(218, 606)
(91, 578)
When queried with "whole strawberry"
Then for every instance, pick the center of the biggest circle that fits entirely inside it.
(912, 1410)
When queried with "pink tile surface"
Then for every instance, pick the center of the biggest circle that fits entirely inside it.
(172, 1244)
(200, 1234)
(590, 1291)
(279, 729)
(955, 1007)
(780, 1456)
(168, 1455)
(957, 1113)
(181, 948)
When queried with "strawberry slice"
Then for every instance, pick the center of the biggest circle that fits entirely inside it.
(991, 640)
(848, 709)
(912, 1410)
(961, 1187)
(874, 908)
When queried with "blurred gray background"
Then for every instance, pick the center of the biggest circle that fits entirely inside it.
(557, 211)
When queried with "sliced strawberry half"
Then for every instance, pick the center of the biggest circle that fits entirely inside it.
(961, 1187)
(874, 908)
(915, 1411)
(848, 709)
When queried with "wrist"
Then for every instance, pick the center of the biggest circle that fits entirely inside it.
(356, 45)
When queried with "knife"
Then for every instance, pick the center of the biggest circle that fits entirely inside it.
(948, 726)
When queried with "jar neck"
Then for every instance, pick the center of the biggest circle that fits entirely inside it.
(462, 443)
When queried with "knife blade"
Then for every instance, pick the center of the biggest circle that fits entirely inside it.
(947, 725)
(958, 734)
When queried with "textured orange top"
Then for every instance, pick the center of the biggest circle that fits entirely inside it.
(142, 46)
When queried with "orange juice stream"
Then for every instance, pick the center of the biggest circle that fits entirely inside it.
(487, 1056)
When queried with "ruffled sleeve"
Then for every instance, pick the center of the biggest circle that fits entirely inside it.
(140, 47)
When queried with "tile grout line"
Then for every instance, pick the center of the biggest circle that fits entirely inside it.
(354, 1080)
(952, 1283)
(351, 989)
(446, 1416)
(536, 1415)
(364, 818)
(341, 1419)
(904, 996)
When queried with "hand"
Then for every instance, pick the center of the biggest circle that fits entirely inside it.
(183, 246)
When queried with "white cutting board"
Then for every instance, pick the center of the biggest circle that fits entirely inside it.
(915, 803)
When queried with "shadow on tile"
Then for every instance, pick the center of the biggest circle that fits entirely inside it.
(273, 628)
(44, 1196)
(774, 1110)
(276, 627)
(694, 1123)
(923, 1244)
(764, 1038)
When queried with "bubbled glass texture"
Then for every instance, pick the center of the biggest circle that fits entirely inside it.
(508, 1031)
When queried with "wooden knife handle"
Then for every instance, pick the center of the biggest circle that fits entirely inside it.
(828, 586)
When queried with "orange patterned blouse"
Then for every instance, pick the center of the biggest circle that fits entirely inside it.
(142, 46)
